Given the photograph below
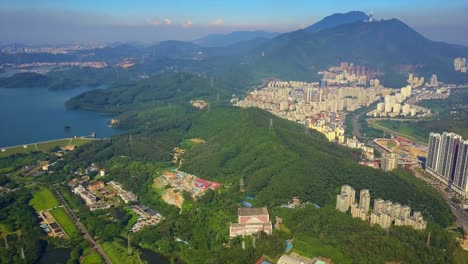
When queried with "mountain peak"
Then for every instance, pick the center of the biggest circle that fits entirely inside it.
(337, 19)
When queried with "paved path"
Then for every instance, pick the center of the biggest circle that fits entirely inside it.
(48, 141)
(82, 228)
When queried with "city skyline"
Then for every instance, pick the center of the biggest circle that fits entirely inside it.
(80, 21)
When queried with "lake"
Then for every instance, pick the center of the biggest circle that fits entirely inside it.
(54, 255)
(30, 115)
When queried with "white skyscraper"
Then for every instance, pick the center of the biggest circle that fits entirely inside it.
(433, 151)
(447, 160)
(460, 178)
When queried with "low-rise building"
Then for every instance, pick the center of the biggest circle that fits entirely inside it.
(126, 196)
(96, 186)
(89, 198)
(251, 221)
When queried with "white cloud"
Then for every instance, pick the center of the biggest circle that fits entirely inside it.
(188, 23)
(167, 21)
(218, 22)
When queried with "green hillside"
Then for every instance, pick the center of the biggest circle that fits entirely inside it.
(276, 164)
(156, 91)
(280, 163)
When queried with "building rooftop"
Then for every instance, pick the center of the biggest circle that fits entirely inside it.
(96, 184)
(294, 258)
(253, 211)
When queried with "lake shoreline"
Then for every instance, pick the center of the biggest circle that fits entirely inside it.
(37, 115)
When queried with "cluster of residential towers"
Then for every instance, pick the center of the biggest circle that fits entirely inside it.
(384, 213)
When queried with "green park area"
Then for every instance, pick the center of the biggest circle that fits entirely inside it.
(118, 253)
(44, 146)
(312, 247)
(419, 130)
(413, 130)
(460, 255)
(90, 256)
(65, 222)
(43, 199)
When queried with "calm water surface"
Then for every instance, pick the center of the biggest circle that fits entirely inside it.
(30, 115)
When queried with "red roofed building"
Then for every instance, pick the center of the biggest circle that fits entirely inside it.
(95, 185)
(201, 183)
(251, 221)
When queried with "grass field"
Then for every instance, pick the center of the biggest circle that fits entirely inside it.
(67, 195)
(461, 256)
(312, 247)
(44, 147)
(117, 253)
(132, 220)
(43, 199)
(64, 220)
(412, 130)
(90, 256)
(419, 131)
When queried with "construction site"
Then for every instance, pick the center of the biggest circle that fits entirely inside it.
(179, 182)
(407, 150)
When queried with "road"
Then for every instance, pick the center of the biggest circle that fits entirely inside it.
(357, 131)
(461, 215)
(49, 141)
(356, 126)
(82, 228)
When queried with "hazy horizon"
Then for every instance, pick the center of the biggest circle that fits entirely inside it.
(56, 22)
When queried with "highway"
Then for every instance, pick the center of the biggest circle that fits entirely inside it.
(461, 216)
(357, 131)
(82, 228)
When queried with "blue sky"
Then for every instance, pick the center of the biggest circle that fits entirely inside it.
(155, 20)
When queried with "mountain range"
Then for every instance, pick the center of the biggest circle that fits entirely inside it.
(336, 20)
(389, 46)
(219, 40)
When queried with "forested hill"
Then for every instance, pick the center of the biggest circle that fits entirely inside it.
(285, 161)
(276, 163)
(155, 91)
